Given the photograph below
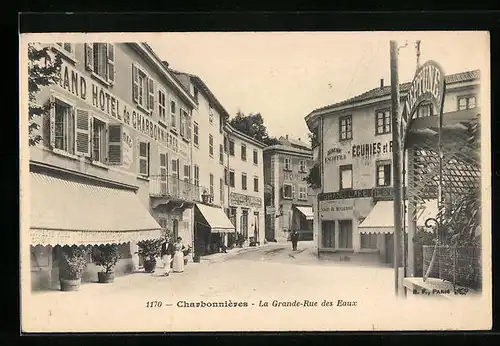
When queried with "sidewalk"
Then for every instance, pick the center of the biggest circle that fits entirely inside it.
(221, 257)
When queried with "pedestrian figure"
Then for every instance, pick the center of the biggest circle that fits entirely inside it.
(167, 256)
(223, 248)
(178, 260)
(295, 238)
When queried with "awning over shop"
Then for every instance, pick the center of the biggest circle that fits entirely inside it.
(216, 219)
(307, 212)
(381, 218)
(65, 212)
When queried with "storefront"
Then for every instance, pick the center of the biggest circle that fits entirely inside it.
(302, 221)
(211, 228)
(74, 210)
(249, 211)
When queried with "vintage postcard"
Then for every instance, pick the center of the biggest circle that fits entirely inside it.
(268, 181)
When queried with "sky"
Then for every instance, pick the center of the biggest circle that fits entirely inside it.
(286, 75)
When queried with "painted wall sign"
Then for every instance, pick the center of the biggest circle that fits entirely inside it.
(376, 193)
(427, 85)
(101, 99)
(128, 149)
(295, 176)
(371, 149)
(336, 209)
(334, 155)
(241, 200)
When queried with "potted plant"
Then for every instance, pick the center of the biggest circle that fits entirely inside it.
(150, 249)
(74, 261)
(106, 256)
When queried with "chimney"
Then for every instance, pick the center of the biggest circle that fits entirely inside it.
(381, 83)
(165, 63)
(299, 138)
(286, 136)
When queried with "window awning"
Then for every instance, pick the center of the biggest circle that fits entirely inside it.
(216, 219)
(381, 217)
(307, 212)
(65, 212)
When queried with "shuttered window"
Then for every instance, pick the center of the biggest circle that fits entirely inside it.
(243, 181)
(182, 129)
(196, 175)
(142, 88)
(162, 106)
(221, 190)
(82, 136)
(187, 173)
(211, 145)
(115, 144)
(196, 134)
(188, 126)
(211, 185)
(163, 173)
(173, 116)
(143, 158)
(100, 59)
(221, 154)
(175, 166)
(62, 131)
(98, 140)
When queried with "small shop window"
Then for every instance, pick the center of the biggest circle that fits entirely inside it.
(345, 234)
(368, 241)
(345, 127)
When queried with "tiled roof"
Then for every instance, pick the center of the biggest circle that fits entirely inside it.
(386, 90)
(281, 147)
(295, 142)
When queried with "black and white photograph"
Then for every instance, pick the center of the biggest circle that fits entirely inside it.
(255, 181)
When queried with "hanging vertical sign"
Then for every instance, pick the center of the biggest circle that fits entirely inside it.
(427, 85)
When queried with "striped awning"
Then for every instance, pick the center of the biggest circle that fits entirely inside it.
(216, 219)
(307, 212)
(66, 212)
(381, 218)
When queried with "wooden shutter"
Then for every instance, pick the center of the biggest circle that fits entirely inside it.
(151, 94)
(89, 56)
(293, 191)
(188, 127)
(135, 83)
(143, 158)
(82, 133)
(111, 62)
(52, 122)
(115, 144)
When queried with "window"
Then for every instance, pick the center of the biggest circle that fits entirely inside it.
(163, 173)
(211, 184)
(345, 127)
(196, 134)
(231, 147)
(368, 240)
(383, 173)
(98, 141)
(256, 184)
(288, 164)
(328, 234)
(383, 122)
(182, 124)
(232, 215)
(243, 181)
(225, 144)
(302, 193)
(185, 125)
(231, 178)
(302, 165)
(162, 106)
(226, 176)
(221, 191)
(195, 94)
(211, 145)
(66, 49)
(144, 158)
(175, 168)
(210, 114)
(115, 144)
(243, 152)
(288, 191)
(173, 116)
(187, 173)
(143, 88)
(424, 110)
(244, 223)
(345, 177)
(255, 157)
(64, 131)
(196, 175)
(466, 102)
(100, 59)
(345, 234)
(221, 154)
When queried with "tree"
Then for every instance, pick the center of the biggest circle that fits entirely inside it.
(43, 70)
(314, 177)
(253, 126)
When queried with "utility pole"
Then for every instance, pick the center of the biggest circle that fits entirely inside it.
(397, 151)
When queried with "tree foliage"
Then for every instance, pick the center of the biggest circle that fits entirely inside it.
(43, 70)
(253, 126)
(314, 177)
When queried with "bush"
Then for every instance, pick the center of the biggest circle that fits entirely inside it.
(74, 262)
(150, 249)
(106, 256)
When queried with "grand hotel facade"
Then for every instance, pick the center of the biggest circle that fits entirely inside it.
(353, 214)
(126, 153)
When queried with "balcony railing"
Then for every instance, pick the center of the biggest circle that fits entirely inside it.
(172, 186)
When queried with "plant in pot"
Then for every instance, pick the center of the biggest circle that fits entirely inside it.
(74, 261)
(150, 249)
(106, 256)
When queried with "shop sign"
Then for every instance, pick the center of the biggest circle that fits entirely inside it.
(367, 150)
(128, 149)
(377, 193)
(241, 200)
(295, 176)
(98, 97)
(337, 209)
(334, 155)
(427, 85)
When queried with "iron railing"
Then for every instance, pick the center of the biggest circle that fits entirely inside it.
(172, 186)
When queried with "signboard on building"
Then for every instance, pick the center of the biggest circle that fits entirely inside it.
(128, 149)
(336, 209)
(295, 176)
(365, 151)
(241, 200)
(99, 98)
(378, 193)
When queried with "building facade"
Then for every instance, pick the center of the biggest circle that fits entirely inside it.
(289, 205)
(108, 167)
(354, 151)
